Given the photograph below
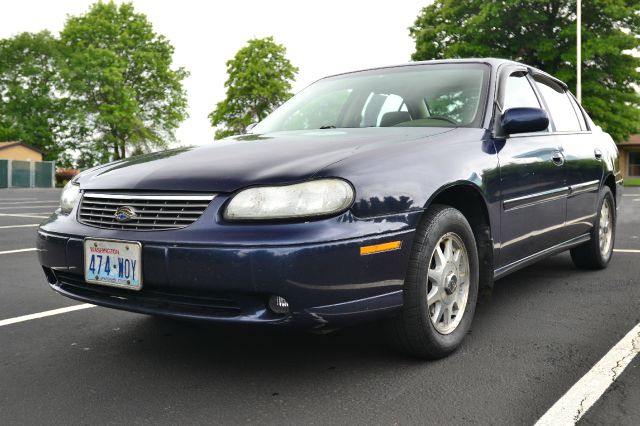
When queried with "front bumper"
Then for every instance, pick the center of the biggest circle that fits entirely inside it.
(327, 283)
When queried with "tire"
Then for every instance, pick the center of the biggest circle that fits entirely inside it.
(597, 252)
(437, 273)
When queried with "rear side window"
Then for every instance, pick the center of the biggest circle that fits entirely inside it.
(578, 110)
(559, 105)
(518, 93)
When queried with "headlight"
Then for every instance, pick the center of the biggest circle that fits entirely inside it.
(315, 198)
(70, 197)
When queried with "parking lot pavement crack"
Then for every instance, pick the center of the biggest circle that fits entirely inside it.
(615, 371)
(580, 410)
(589, 389)
(621, 364)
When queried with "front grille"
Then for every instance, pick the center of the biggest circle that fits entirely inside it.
(145, 212)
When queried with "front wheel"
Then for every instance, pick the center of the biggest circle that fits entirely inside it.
(596, 253)
(441, 286)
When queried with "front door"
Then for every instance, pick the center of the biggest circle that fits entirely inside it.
(533, 177)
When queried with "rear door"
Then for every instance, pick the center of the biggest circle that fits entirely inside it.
(581, 152)
(533, 180)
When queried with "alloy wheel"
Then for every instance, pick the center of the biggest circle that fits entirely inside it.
(606, 228)
(448, 283)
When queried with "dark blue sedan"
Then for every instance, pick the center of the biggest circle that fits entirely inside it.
(394, 193)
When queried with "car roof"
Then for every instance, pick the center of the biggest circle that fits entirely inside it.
(495, 63)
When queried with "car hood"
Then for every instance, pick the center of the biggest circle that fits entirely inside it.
(234, 163)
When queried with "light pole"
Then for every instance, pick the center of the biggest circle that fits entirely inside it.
(579, 50)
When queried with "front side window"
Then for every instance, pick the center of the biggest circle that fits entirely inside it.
(557, 100)
(442, 95)
(518, 93)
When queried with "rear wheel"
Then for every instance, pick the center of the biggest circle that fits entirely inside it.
(596, 253)
(441, 287)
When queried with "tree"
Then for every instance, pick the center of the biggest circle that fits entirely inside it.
(542, 33)
(259, 80)
(31, 108)
(119, 73)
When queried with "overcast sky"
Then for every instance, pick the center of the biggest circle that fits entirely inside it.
(322, 38)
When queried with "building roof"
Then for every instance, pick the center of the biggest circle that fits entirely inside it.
(634, 140)
(4, 145)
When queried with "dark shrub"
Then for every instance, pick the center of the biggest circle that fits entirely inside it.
(65, 175)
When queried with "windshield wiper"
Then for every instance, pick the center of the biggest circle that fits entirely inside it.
(327, 126)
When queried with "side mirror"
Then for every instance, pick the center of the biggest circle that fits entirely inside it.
(250, 127)
(524, 120)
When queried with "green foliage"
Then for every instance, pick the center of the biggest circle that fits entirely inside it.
(542, 33)
(259, 80)
(118, 72)
(31, 110)
(104, 90)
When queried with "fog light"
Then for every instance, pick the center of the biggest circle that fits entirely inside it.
(278, 305)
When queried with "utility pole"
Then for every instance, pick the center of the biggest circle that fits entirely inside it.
(579, 50)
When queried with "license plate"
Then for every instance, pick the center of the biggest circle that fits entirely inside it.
(113, 263)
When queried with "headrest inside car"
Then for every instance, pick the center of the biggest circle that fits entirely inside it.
(395, 117)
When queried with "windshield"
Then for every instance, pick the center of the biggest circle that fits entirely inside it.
(442, 95)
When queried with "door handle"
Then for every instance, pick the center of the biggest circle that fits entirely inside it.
(557, 158)
(598, 154)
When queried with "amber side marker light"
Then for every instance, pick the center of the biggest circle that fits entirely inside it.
(378, 248)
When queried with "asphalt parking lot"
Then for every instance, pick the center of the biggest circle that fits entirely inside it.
(543, 329)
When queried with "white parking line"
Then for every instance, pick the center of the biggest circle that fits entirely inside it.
(18, 226)
(31, 215)
(30, 207)
(19, 199)
(30, 202)
(626, 251)
(18, 251)
(575, 403)
(45, 314)
(629, 195)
